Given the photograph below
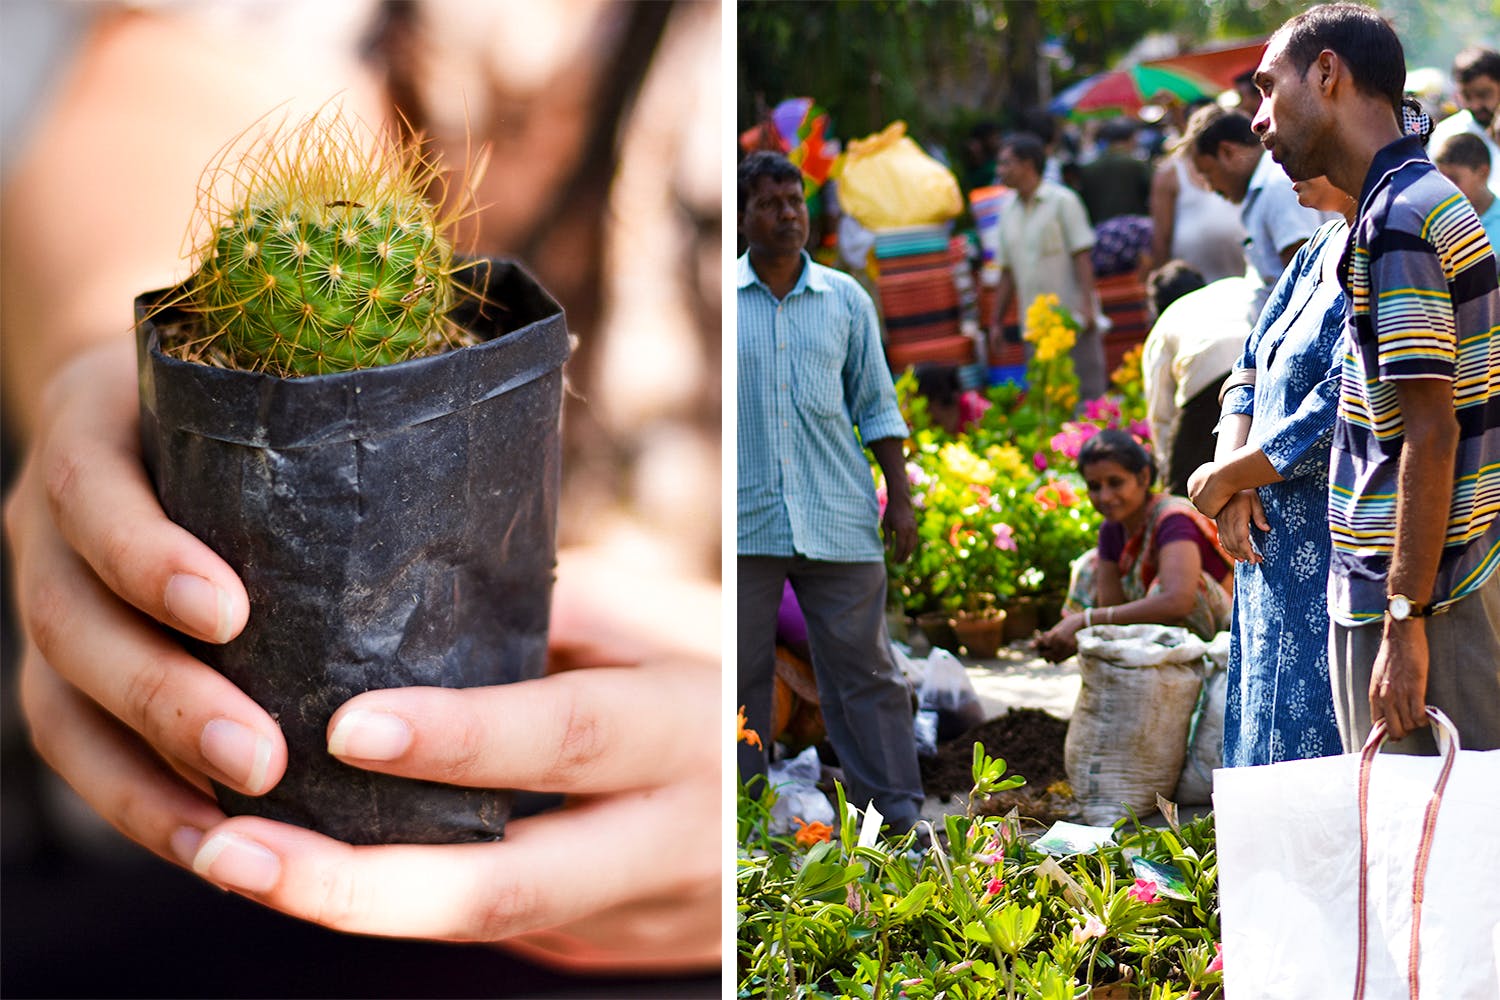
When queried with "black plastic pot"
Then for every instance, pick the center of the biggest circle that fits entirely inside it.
(394, 526)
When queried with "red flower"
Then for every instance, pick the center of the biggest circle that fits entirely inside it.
(994, 888)
(1217, 965)
(1143, 891)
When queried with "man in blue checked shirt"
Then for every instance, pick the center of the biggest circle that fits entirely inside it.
(813, 385)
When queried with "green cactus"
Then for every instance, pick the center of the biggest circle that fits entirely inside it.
(324, 254)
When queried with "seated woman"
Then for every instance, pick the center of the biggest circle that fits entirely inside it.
(1158, 559)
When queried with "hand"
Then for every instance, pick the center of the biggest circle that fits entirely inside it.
(1204, 491)
(1234, 520)
(626, 875)
(1398, 684)
(1061, 641)
(900, 526)
(113, 703)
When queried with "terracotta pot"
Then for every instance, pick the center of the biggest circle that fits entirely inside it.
(981, 634)
(1022, 618)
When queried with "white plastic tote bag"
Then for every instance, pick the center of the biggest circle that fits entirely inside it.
(1373, 876)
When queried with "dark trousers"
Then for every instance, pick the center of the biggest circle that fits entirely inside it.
(866, 702)
(1193, 443)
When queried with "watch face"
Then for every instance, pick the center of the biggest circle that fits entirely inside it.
(1400, 607)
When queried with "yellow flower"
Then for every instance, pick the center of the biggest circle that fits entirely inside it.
(965, 464)
(1128, 374)
(1006, 460)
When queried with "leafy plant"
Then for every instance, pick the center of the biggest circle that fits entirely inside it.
(979, 914)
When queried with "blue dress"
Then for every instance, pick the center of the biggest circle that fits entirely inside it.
(1280, 700)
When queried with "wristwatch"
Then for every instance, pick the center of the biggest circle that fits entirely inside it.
(1400, 607)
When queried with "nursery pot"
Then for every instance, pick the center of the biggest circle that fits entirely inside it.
(393, 526)
(981, 634)
(938, 628)
(1022, 618)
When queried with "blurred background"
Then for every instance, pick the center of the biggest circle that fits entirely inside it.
(605, 179)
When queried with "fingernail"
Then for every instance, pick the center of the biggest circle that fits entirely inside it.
(238, 751)
(184, 843)
(366, 735)
(199, 605)
(234, 861)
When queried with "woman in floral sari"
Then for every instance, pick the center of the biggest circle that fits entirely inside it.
(1158, 559)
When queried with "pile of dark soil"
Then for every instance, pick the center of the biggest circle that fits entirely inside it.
(1031, 743)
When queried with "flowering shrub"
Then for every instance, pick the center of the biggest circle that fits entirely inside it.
(1001, 510)
(980, 914)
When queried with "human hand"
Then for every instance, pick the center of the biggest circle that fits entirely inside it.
(1061, 641)
(1398, 684)
(900, 525)
(1204, 491)
(113, 703)
(1234, 520)
(625, 876)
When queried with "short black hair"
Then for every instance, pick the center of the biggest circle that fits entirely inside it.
(937, 381)
(1211, 125)
(1463, 149)
(1360, 37)
(768, 165)
(1172, 281)
(1120, 447)
(1117, 130)
(1476, 61)
(1026, 146)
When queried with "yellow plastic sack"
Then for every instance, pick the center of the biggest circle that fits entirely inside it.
(887, 181)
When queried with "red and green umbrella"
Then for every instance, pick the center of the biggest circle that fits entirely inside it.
(1126, 91)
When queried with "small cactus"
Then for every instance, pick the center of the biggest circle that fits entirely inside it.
(322, 254)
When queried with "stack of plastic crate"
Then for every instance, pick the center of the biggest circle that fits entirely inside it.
(919, 297)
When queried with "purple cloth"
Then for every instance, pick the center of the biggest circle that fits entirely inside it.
(791, 627)
(1174, 528)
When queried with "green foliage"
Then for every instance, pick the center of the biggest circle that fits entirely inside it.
(978, 915)
(323, 255)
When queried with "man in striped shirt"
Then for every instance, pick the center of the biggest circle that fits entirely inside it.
(1414, 483)
(811, 373)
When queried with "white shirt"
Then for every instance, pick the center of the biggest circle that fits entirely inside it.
(1459, 123)
(1196, 340)
(1274, 220)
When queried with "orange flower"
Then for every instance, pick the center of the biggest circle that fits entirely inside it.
(743, 735)
(809, 834)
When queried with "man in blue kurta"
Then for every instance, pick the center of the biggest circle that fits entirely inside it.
(813, 386)
(1415, 466)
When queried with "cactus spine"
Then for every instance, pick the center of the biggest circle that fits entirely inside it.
(322, 253)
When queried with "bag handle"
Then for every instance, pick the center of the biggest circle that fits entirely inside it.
(1446, 733)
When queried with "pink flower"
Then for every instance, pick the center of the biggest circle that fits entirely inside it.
(1103, 408)
(1143, 891)
(981, 491)
(1217, 965)
(881, 497)
(1040, 461)
(994, 888)
(1141, 430)
(1070, 439)
(912, 982)
(994, 851)
(1005, 538)
(1092, 928)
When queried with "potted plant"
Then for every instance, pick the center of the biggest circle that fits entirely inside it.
(366, 427)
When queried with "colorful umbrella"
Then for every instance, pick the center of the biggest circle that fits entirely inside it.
(1125, 91)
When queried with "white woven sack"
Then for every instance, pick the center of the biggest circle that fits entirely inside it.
(1128, 735)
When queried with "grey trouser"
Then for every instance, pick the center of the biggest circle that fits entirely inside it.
(865, 700)
(1463, 674)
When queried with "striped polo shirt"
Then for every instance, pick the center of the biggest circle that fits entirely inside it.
(810, 370)
(1421, 281)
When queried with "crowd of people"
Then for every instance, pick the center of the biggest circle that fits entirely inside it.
(1319, 376)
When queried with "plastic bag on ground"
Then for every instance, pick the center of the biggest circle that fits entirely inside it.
(797, 795)
(949, 693)
(1128, 735)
